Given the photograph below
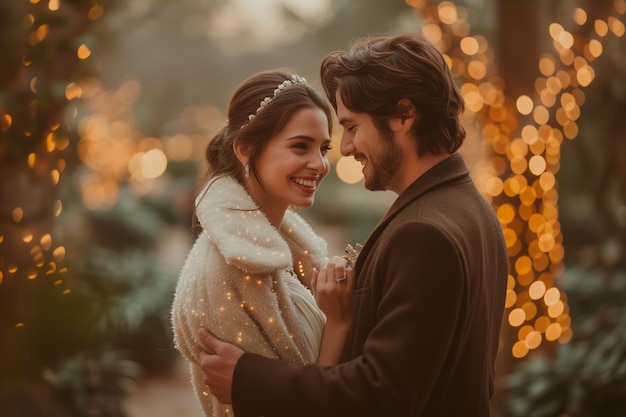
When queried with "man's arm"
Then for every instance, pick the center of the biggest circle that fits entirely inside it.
(402, 356)
(334, 299)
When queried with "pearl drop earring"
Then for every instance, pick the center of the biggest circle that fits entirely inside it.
(247, 171)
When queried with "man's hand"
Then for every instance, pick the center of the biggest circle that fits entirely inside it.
(218, 367)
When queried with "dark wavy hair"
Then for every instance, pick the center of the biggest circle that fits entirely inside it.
(377, 72)
(220, 156)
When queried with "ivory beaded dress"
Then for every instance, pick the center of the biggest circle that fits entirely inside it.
(247, 282)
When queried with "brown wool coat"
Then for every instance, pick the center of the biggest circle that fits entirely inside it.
(429, 298)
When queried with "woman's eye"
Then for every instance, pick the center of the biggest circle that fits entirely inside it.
(325, 149)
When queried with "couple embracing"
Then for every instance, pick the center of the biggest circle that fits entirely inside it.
(270, 324)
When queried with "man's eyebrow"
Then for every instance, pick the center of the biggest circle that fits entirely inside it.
(344, 120)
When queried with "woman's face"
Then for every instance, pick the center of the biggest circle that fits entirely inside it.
(292, 164)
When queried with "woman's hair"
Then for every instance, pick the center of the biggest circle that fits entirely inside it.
(378, 72)
(255, 133)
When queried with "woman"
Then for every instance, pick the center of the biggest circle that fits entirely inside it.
(251, 276)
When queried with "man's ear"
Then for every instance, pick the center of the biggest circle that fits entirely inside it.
(242, 152)
(408, 116)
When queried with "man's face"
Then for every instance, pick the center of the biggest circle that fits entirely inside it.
(378, 153)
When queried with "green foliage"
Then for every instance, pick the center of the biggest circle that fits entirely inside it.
(587, 377)
(54, 325)
(91, 384)
(128, 224)
(131, 296)
(120, 300)
(125, 287)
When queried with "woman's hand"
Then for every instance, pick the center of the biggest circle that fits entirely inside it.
(332, 288)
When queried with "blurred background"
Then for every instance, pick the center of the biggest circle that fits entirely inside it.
(105, 110)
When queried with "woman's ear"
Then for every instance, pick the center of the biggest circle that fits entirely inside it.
(242, 152)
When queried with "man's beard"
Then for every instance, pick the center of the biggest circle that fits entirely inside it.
(383, 165)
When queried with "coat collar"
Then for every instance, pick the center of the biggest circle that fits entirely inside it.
(449, 169)
(243, 234)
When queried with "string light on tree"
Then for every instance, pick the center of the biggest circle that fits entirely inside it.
(521, 139)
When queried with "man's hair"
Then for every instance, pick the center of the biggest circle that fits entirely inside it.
(376, 73)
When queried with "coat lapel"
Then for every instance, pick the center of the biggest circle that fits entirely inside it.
(449, 169)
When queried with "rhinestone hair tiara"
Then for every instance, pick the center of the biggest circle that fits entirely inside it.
(295, 79)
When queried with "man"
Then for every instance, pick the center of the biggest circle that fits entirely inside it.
(429, 283)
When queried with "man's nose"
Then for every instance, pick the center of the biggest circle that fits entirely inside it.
(346, 146)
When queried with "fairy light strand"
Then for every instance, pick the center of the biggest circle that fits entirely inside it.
(522, 140)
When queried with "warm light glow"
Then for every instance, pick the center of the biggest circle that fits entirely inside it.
(511, 297)
(542, 323)
(537, 290)
(520, 349)
(59, 254)
(17, 214)
(552, 296)
(178, 148)
(533, 340)
(517, 317)
(585, 75)
(154, 163)
(46, 242)
(432, 33)
(580, 16)
(595, 48)
(547, 181)
(349, 170)
(541, 115)
(510, 237)
(73, 91)
(473, 101)
(537, 165)
(566, 39)
(95, 12)
(601, 28)
(5, 122)
(555, 30)
(469, 45)
(506, 213)
(524, 104)
(40, 34)
(83, 52)
(523, 265)
(447, 12)
(477, 70)
(553, 332)
(616, 26)
(556, 310)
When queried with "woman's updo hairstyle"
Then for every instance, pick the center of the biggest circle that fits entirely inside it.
(266, 123)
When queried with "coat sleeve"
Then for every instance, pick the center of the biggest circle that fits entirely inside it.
(403, 355)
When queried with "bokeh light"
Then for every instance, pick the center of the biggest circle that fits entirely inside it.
(521, 181)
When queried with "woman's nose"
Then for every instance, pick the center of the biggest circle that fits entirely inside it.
(318, 162)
